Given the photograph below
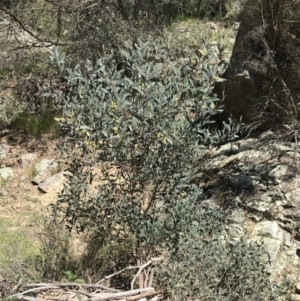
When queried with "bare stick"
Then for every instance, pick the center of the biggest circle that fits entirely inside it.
(143, 267)
(146, 281)
(138, 273)
(83, 293)
(133, 298)
(29, 298)
(117, 273)
(140, 292)
(154, 298)
(151, 277)
(140, 277)
(75, 284)
(33, 290)
(17, 286)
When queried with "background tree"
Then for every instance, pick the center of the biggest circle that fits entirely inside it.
(265, 63)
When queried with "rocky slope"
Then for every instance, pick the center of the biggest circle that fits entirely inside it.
(28, 184)
(257, 181)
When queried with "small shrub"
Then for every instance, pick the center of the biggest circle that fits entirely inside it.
(57, 254)
(143, 125)
(103, 257)
(71, 277)
(139, 128)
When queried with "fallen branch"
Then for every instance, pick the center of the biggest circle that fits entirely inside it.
(133, 298)
(140, 293)
(29, 298)
(117, 273)
(74, 284)
(34, 290)
(82, 293)
(132, 295)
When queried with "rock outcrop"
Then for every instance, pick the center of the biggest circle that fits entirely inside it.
(43, 169)
(263, 75)
(257, 181)
(26, 159)
(6, 173)
(53, 183)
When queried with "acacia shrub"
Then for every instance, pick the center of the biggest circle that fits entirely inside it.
(143, 129)
(136, 135)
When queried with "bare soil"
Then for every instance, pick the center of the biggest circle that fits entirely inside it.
(23, 208)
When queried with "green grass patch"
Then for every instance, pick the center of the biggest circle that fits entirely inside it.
(32, 68)
(5, 71)
(36, 124)
(18, 249)
(69, 276)
(185, 17)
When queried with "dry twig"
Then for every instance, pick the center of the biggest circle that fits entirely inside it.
(34, 290)
(141, 268)
(140, 293)
(71, 284)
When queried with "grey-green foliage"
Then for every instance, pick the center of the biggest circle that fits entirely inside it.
(207, 267)
(143, 127)
(57, 59)
(137, 122)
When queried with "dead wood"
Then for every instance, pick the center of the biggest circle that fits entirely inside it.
(72, 284)
(140, 293)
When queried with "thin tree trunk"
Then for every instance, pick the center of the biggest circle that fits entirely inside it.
(198, 7)
(59, 23)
